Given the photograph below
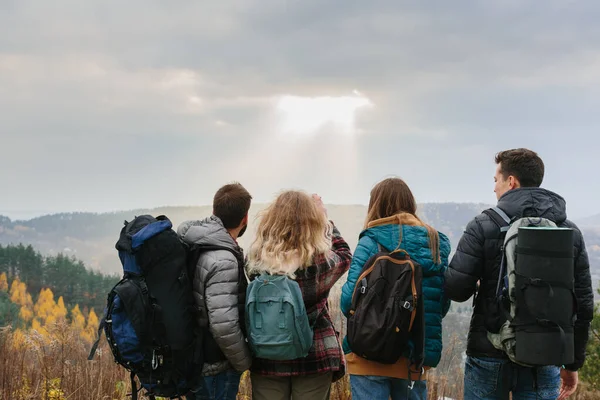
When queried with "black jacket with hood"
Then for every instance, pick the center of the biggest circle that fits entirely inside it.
(477, 259)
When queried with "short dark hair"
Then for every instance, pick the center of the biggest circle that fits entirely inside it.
(231, 204)
(523, 164)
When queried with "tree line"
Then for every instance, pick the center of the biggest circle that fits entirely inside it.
(61, 274)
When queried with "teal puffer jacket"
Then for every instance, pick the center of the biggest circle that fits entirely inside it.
(415, 240)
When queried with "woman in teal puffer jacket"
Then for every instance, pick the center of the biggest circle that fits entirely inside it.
(392, 221)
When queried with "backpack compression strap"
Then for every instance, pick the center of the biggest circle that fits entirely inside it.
(102, 325)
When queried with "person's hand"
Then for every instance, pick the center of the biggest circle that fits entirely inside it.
(569, 383)
(319, 202)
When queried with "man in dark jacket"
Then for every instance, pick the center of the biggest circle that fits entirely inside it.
(220, 292)
(474, 270)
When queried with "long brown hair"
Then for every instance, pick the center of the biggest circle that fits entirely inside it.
(291, 232)
(391, 197)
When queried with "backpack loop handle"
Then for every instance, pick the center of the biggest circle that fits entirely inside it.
(281, 314)
(402, 252)
(397, 250)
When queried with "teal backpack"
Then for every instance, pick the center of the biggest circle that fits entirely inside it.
(276, 321)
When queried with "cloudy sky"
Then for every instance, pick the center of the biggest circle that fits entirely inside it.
(108, 105)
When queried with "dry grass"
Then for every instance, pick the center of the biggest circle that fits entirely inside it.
(55, 367)
(340, 390)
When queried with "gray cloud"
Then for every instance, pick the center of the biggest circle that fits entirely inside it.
(109, 105)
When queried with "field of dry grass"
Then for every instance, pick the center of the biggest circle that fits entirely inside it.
(54, 366)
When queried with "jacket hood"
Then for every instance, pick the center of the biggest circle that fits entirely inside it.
(209, 231)
(415, 240)
(534, 202)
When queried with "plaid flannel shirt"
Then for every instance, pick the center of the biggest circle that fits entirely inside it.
(315, 283)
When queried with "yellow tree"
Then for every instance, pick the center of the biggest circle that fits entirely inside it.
(19, 339)
(59, 313)
(3, 283)
(16, 294)
(77, 320)
(91, 328)
(19, 296)
(44, 307)
(37, 326)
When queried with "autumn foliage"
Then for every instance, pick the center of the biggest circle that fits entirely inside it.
(47, 355)
(44, 354)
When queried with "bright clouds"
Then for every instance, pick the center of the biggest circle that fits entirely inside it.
(307, 115)
(200, 93)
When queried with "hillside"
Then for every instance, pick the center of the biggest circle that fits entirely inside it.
(76, 289)
(91, 237)
(590, 222)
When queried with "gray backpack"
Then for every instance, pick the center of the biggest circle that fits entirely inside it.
(535, 292)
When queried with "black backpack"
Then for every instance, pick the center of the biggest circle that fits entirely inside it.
(211, 352)
(150, 322)
(387, 311)
(534, 317)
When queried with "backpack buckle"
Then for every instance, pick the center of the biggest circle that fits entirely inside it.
(407, 305)
(363, 288)
(536, 281)
(144, 287)
(154, 360)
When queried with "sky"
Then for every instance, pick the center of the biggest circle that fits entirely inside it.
(111, 105)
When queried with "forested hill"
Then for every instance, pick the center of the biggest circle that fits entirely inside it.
(64, 276)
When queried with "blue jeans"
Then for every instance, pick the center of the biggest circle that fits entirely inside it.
(223, 386)
(493, 379)
(368, 387)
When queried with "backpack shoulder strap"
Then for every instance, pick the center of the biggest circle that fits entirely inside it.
(417, 358)
(98, 338)
(195, 250)
(499, 217)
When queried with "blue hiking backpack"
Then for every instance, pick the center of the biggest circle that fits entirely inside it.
(149, 319)
(276, 320)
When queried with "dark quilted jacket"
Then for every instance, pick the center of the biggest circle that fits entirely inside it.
(477, 259)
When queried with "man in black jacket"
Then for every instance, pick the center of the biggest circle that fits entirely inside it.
(474, 270)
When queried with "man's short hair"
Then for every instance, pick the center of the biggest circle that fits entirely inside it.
(523, 164)
(231, 204)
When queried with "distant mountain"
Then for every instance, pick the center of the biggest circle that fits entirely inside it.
(592, 222)
(91, 237)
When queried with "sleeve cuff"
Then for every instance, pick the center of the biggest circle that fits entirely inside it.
(571, 367)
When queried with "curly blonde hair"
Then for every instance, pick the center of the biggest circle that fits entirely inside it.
(292, 231)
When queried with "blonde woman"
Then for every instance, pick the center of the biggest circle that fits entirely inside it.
(294, 238)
